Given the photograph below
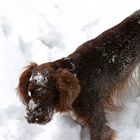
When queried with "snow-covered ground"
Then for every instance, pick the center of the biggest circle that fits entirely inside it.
(41, 31)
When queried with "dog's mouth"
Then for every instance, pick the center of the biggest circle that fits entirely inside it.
(38, 114)
(38, 118)
(42, 119)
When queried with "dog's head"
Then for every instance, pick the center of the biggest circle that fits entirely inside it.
(44, 89)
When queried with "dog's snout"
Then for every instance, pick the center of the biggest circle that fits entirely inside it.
(34, 117)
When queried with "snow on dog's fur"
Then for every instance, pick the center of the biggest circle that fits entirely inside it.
(95, 82)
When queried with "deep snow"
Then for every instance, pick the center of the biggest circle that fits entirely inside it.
(41, 31)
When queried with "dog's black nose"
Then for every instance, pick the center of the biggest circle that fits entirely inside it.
(31, 117)
(38, 119)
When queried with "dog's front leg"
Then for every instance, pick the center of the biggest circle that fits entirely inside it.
(104, 133)
(98, 128)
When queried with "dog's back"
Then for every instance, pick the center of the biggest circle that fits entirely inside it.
(105, 67)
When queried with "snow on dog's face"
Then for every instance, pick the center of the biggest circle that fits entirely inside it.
(43, 96)
(44, 89)
(38, 92)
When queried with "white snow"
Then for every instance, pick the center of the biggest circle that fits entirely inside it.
(45, 30)
(32, 105)
(29, 94)
(113, 58)
(39, 78)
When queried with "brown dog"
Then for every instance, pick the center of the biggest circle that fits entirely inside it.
(87, 82)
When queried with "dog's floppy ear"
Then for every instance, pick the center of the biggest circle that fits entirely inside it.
(68, 87)
(22, 88)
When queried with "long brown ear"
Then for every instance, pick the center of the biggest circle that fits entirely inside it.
(22, 88)
(68, 87)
